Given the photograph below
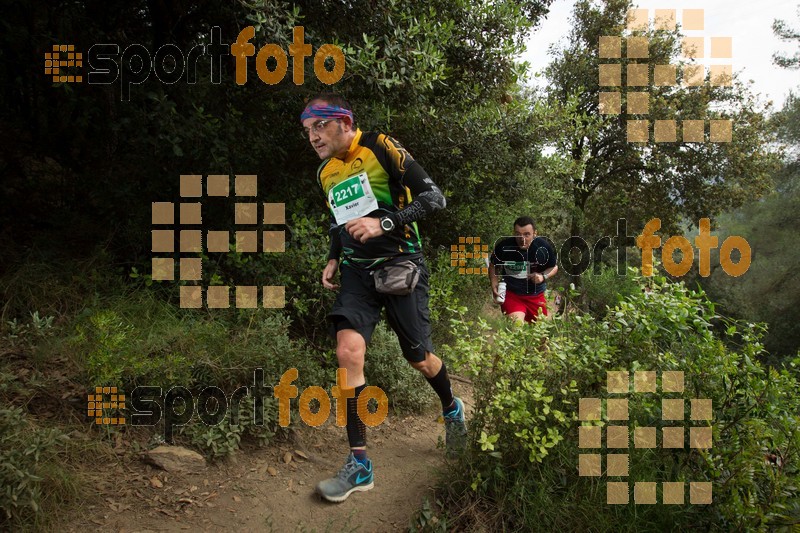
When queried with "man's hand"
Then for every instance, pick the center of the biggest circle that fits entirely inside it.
(495, 294)
(536, 277)
(364, 228)
(328, 273)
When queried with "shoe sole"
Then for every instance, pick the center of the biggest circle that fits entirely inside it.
(343, 497)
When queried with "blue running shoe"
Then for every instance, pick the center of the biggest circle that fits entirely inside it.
(353, 477)
(455, 429)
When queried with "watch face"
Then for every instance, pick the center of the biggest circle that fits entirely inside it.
(386, 224)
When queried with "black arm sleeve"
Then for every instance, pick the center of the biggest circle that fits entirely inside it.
(336, 242)
(427, 197)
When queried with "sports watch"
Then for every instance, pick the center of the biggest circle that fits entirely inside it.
(387, 224)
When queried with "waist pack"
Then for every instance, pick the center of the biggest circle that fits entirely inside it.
(398, 279)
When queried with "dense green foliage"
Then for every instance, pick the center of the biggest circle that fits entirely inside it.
(771, 291)
(521, 472)
(605, 177)
(434, 75)
(35, 457)
(25, 452)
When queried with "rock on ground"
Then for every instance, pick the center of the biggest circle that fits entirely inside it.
(175, 459)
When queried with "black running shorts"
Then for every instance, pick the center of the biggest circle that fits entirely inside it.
(359, 304)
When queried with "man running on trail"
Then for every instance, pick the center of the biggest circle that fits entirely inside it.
(527, 262)
(376, 193)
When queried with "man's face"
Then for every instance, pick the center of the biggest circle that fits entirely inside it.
(329, 138)
(524, 235)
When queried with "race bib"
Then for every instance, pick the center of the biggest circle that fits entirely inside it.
(352, 198)
(516, 269)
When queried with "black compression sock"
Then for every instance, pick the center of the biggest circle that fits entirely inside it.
(441, 384)
(356, 429)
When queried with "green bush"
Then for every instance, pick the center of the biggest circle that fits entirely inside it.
(605, 289)
(149, 342)
(27, 453)
(142, 340)
(116, 358)
(448, 291)
(224, 439)
(521, 468)
(54, 287)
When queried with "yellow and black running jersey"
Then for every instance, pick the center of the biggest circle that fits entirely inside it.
(373, 177)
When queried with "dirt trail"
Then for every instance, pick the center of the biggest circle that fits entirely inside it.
(259, 491)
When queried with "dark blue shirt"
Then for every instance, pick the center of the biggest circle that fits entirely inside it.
(515, 264)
